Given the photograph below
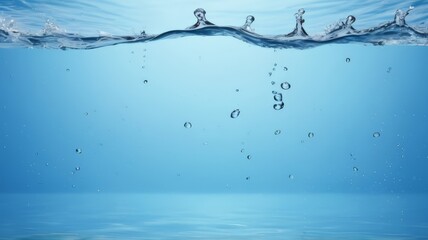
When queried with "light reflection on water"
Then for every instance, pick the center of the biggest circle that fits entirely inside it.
(212, 216)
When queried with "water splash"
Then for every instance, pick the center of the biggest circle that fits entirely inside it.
(395, 32)
(201, 19)
(248, 22)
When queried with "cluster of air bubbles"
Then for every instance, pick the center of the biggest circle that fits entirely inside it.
(235, 113)
(188, 125)
(247, 26)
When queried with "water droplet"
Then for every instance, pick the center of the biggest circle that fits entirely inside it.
(247, 26)
(311, 134)
(291, 176)
(376, 134)
(273, 82)
(355, 169)
(145, 81)
(285, 85)
(348, 60)
(249, 157)
(285, 68)
(78, 151)
(350, 20)
(278, 106)
(188, 125)
(278, 97)
(201, 19)
(277, 132)
(77, 168)
(235, 113)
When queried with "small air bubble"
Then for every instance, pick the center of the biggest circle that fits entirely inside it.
(275, 64)
(247, 178)
(291, 176)
(355, 169)
(242, 150)
(389, 70)
(188, 125)
(86, 113)
(67, 70)
(77, 168)
(311, 135)
(376, 134)
(285, 85)
(348, 60)
(73, 186)
(145, 81)
(278, 97)
(273, 82)
(270, 74)
(78, 151)
(278, 106)
(46, 164)
(277, 132)
(237, 90)
(285, 68)
(235, 113)
(249, 157)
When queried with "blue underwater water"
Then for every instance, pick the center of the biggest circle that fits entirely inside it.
(213, 120)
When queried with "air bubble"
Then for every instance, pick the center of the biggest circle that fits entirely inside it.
(78, 151)
(285, 85)
(278, 106)
(270, 74)
(311, 135)
(285, 68)
(376, 134)
(348, 60)
(278, 97)
(237, 90)
(235, 113)
(77, 168)
(291, 176)
(242, 150)
(355, 169)
(277, 132)
(67, 70)
(145, 81)
(188, 125)
(247, 178)
(389, 70)
(249, 157)
(273, 82)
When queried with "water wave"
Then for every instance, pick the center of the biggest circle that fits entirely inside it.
(395, 32)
